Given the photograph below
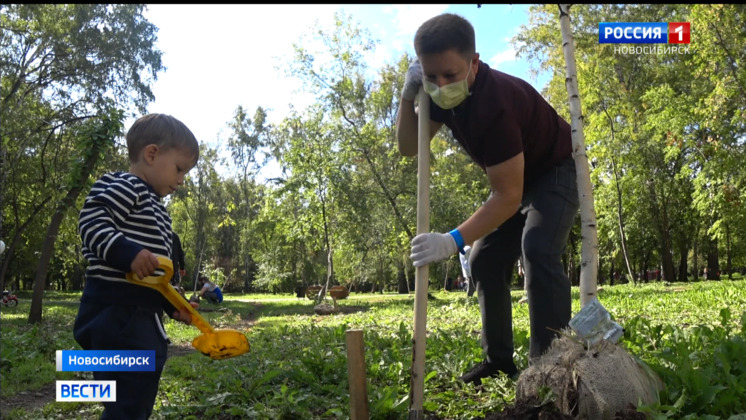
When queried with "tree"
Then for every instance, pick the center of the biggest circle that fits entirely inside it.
(94, 138)
(589, 262)
(248, 139)
(663, 130)
(60, 65)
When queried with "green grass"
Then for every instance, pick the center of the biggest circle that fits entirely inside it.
(693, 335)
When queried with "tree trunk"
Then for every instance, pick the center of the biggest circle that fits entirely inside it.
(445, 277)
(589, 234)
(695, 251)
(683, 264)
(327, 243)
(17, 238)
(3, 157)
(102, 136)
(408, 288)
(620, 219)
(663, 225)
(728, 253)
(402, 279)
(713, 265)
(40, 278)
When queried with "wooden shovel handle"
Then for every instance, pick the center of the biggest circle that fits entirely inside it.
(421, 274)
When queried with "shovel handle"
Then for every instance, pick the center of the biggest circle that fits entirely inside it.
(161, 284)
(417, 389)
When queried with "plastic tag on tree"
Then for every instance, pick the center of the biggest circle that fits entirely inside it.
(594, 323)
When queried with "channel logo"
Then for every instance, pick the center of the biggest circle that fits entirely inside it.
(644, 33)
(105, 360)
(86, 391)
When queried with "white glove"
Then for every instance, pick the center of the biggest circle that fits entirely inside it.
(412, 81)
(432, 247)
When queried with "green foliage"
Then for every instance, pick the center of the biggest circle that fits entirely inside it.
(700, 366)
(297, 366)
(27, 360)
(664, 135)
(660, 131)
(64, 69)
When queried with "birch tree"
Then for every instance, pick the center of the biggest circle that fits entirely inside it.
(589, 258)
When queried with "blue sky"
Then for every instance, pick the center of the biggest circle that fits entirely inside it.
(221, 56)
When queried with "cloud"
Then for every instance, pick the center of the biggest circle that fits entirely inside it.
(507, 56)
(409, 17)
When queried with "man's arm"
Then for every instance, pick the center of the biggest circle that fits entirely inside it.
(406, 117)
(406, 128)
(506, 184)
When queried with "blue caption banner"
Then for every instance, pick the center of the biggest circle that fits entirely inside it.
(105, 360)
(633, 33)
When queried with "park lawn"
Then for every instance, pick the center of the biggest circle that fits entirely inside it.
(692, 334)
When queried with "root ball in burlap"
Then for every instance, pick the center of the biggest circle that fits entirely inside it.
(592, 383)
(324, 308)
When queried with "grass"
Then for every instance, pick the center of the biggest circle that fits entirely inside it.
(692, 334)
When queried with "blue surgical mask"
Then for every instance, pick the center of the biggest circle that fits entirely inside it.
(450, 95)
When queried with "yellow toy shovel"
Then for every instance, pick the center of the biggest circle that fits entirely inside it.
(218, 344)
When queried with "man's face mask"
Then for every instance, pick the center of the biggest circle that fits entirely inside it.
(450, 95)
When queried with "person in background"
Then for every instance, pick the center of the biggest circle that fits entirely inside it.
(466, 271)
(521, 274)
(210, 290)
(124, 226)
(525, 150)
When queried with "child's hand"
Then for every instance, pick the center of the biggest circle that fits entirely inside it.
(144, 264)
(183, 315)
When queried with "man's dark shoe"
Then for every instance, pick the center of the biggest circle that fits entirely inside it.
(486, 369)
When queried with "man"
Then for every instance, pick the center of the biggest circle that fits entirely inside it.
(210, 290)
(525, 150)
(466, 271)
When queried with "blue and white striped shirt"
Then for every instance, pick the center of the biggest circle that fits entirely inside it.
(121, 216)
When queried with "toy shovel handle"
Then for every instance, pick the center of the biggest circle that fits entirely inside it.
(161, 284)
(154, 282)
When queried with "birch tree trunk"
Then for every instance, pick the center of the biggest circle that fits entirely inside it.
(589, 233)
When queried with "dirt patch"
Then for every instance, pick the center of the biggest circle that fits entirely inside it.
(530, 410)
(533, 410)
(28, 401)
(203, 309)
(176, 350)
(327, 309)
(630, 413)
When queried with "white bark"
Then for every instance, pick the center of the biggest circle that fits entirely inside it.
(589, 233)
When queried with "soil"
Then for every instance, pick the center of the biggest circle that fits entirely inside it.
(630, 413)
(327, 309)
(29, 401)
(531, 410)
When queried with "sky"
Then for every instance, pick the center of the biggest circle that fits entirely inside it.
(220, 56)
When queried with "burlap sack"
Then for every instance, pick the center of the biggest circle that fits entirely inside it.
(324, 308)
(592, 383)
